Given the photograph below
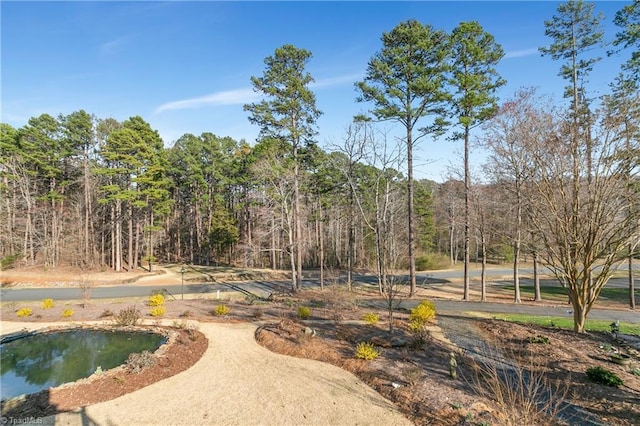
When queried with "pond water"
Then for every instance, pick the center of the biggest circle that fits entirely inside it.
(40, 361)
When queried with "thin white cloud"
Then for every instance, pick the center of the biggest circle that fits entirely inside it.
(244, 95)
(227, 97)
(111, 47)
(520, 53)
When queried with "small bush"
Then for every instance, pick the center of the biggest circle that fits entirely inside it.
(412, 375)
(8, 261)
(422, 314)
(139, 361)
(127, 316)
(304, 312)
(221, 310)
(47, 303)
(419, 319)
(604, 377)
(67, 313)
(371, 318)
(366, 351)
(156, 300)
(158, 311)
(258, 313)
(106, 313)
(432, 261)
(179, 324)
(539, 339)
(24, 312)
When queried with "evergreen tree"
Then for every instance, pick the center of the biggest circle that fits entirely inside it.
(288, 113)
(474, 80)
(404, 81)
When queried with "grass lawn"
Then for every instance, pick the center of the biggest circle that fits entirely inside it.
(561, 322)
(557, 293)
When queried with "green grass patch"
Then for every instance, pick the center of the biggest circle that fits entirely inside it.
(555, 292)
(560, 322)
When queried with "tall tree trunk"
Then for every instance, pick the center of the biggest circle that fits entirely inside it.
(136, 245)
(412, 239)
(350, 237)
(467, 190)
(118, 236)
(86, 242)
(536, 278)
(272, 252)
(517, 244)
(483, 279)
(130, 236)
(321, 247)
(632, 292)
(295, 284)
(451, 242)
(297, 244)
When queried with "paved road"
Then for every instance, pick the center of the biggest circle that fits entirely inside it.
(264, 289)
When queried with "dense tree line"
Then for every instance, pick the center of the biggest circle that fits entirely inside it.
(561, 182)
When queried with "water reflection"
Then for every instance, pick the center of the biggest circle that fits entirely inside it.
(45, 360)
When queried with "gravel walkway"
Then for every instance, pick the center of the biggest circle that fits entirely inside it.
(238, 382)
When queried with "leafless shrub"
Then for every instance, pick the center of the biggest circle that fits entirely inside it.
(86, 289)
(522, 394)
(128, 316)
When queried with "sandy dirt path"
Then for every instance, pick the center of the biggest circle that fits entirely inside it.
(238, 382)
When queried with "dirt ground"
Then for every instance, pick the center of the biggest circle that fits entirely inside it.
(414, 376)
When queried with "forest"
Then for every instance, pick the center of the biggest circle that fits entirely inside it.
(560, 185)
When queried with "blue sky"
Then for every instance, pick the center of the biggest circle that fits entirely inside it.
(185, 67)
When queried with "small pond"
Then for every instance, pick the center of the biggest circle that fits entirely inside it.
(43, 360)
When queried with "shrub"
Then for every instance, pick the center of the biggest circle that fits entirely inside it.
(604, 377)
(139, 361)
(366, 351)
(432, 261)
(127, 316)
(156, 300)
(86, 288)
(412, 375)
(422, 314)
(47, 303)
(24, 312)
(67, 313)
(158, 311)
(106, 313)
(371, 318)
(221, 310)
(8, 261)
(419, 319)
(304, 312)
(521, 394)
(258, 313)
(539, 339)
